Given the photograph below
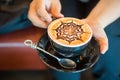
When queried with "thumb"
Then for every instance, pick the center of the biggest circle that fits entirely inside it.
(103, 42)
(99, 34)
(56, 9)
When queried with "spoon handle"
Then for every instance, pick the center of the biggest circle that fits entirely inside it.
(34, 46)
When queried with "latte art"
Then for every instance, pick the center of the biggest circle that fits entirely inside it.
(69, 31)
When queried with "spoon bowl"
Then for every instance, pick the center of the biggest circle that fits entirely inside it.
(67, 63)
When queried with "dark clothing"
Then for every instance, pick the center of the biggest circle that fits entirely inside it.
(13, 15)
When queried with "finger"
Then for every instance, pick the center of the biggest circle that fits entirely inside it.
(101, 37)
(103, 44)
(34, 18)
(42, 12)
(56, 9)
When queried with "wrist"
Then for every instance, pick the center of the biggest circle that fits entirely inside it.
(94, 23)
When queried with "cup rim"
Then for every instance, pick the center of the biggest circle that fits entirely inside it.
(81, 44)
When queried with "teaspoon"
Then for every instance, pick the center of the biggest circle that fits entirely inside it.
(64, 62)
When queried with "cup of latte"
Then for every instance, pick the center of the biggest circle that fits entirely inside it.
(69, 36)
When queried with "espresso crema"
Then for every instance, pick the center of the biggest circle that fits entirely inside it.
(69, 32)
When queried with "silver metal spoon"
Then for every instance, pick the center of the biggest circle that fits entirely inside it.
(64, 62)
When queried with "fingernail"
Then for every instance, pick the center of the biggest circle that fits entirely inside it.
(103, 52)
(49, 20)
(61, 15)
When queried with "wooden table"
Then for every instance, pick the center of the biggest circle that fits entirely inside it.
(14, 55)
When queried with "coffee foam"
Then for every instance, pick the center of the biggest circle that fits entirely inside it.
(84, 37)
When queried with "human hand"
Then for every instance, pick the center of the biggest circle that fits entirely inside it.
(99, 34)
(41, 12)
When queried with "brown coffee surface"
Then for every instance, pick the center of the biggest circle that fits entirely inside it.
(69, 31)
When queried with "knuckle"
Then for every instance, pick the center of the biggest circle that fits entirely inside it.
(29, 16)
(40, 10)
(39, 24)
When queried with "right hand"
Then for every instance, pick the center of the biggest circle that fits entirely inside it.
(41, 11)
